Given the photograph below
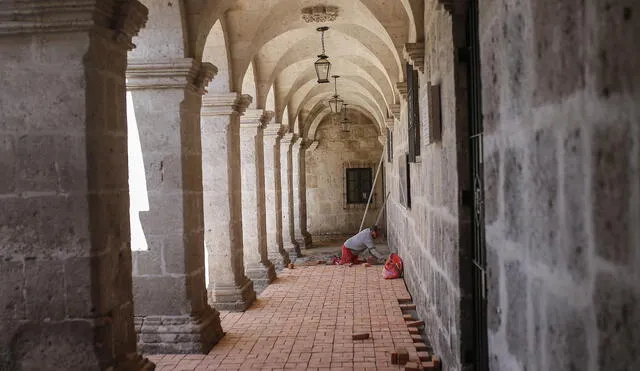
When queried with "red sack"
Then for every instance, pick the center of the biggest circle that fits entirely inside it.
(393, 267)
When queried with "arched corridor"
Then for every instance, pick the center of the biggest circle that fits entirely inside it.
(163, 162)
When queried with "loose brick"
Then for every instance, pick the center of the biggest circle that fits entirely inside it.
(366, 265)
(414, 330)
(421, 347)
(405, 307)
(405, 300)
(424, 356)
(361, 336)
(416, 338)
(403, 356)
(408, 317)
(415, 323)
(291, 266)
(428, 366)
(412, 366)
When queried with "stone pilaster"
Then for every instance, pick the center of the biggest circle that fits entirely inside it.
(257, 265)
(172, 314)
(229, 288)
(65, 260)
(288, 215)
(273, 195)
(303, 238)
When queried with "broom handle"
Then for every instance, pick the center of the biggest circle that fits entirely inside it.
(373, 187)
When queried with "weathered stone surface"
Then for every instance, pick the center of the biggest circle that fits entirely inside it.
(494, 304)
(559, 54)
(34, 343)
(575, 241)
(610, 191)
(567, 342)
(491, 186)
(516, 316)
(513, 194)
(617, 310)
(543, 198)
(614, 61)
(12, 300)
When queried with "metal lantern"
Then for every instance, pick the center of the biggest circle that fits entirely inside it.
(345, 121)
(335, 103)
(322, 65)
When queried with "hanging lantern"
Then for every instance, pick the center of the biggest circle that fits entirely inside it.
(335, 103)
(322, 65)
(345, 121)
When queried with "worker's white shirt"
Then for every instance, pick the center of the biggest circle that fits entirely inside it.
(361, 242)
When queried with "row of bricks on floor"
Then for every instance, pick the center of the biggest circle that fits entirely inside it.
(333, 355)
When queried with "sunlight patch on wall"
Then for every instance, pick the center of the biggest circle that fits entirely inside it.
(138, 196)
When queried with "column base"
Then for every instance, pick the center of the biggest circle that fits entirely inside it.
(231, 296)
(179, 334)
(293, 249)
(308, 240)
(261, 274)
(279, 259)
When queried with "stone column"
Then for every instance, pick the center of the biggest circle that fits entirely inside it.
(257, 265)
(229, 288)
(299, 176)
(273, 195)
(288, 237)
(172, 314)
(65, 260)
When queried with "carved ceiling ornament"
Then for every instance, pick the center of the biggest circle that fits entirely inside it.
(319, 14)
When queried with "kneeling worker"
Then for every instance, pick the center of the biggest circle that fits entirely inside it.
(359, 243)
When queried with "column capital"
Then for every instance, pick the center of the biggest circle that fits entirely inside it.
(287, 138)
(414, 54)
(273, 129)
(402, 89)
(389, 122)
(225, 104)
(170, 73)
(251, 119)
(123, 19)
(395, 110)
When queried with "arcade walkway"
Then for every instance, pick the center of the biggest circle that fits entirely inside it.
(305, 321)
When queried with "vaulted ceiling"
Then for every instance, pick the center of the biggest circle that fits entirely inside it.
(266, 49)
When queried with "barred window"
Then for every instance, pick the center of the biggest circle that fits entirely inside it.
(358, 185)
(414, 113)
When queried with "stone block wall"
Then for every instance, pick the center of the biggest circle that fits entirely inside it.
(561, 93)
(426, 234)
(325, 175)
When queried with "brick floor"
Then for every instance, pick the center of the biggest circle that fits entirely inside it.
(305, 321)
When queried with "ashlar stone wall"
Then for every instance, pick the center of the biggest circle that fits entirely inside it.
(327, 212)
(425, 234)
(561, 93)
